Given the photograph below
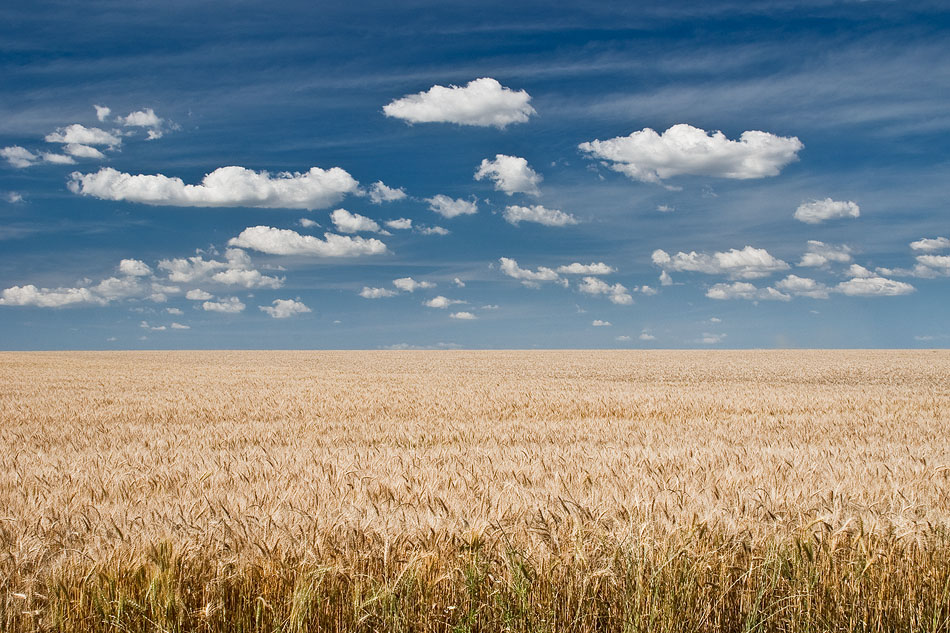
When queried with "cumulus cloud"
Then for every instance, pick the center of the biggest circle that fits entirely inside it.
(236, 270)
(83, 151)
(247, 278)
(82, 135)
(483, 102)
(510, 174)
(709, 338)
(231, 305)
(874, 287)
(686, 150)
(102, 112)
(19, 157)
(930, 244)
(379, 193)
(102, 293)
(646, 336)
(458, 282)
(441, 302)
(175, 311)
(377, 293)
(617, 293)
(399, 224)
(803, 287)
(745, 290)
(577, 268)
(307, 223)
(198, 294)
(408, 284)
(450, 208)
(275, 241)
(284, 308)
(347, 222)
(134, 268)
(463, 316)
(748, 263)
(58, 159)
(935, 264)
(179, 326)
(30, 295)
(817, 211)
(821, 254)
(141, 118)
(665, 279)
(599, 323)
(224, 187)
(433, 230)
(537, 213)
(510, 267)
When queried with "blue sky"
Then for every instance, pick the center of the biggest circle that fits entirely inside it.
(718, 175)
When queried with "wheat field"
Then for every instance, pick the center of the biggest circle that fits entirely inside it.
(475, 491)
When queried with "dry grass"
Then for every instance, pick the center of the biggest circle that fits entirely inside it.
(430, 491)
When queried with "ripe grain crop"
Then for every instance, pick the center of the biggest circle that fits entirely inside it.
(475, 491)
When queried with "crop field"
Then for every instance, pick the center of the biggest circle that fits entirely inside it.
(475, 491)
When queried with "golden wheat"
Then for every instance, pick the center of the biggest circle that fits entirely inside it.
(475, 490)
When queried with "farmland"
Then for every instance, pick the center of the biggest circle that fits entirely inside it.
(475, 491)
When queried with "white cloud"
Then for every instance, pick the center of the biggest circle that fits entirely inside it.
(347, 222)
(230, 305)
(510, 267)
(30, 295)
(710, 339)
(930, 244)
(13, 197)
(19, 157)
(617, 293)
(491, 306)
(665, 279)
(599, 323)
(483, 102)
(745, 290)
(174, 311)
(408, 284)
(684, 149)
(224, 187)
(307, 223)
(818, 211)
(441, 302)
(379, 193)
(179, 326)
(141, 118)
(433, 230)
(748, 263)
(856, 270)
(646, 336)
(577, 268)
(537, 213)
(82, 135)
(247, 278)
(820, 254)
(463, 316)
(134, 268)
(664, 208)
(284, 308)
(458, 282)
(377, 293)
(83, 151)
(274, 241)
(936, 264)
(510, 174)
(803, 287)
(58, 159)
(623, 338)
(155, 328)
(198, 295)
(873, 287)
(399, 224)
(102, 112)
(449, 208)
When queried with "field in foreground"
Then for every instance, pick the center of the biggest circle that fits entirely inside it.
(475, 491)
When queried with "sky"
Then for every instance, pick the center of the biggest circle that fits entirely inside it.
(440, 175)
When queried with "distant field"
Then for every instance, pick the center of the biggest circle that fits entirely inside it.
(475, 491)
